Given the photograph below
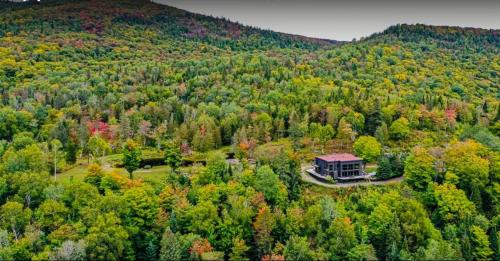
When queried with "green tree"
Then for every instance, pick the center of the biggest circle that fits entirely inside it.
(30, 158)
(207, 134)
(98, 147)
(441, 250)
(107, 239)
(368, 148)
(322, 133)
(270, 185)
(28, 187)
(467, 161)
(131, 157)
(287, 166)
(341, 238)
(239, 250)
(203, 219)
(71, 152)
(480, 244)
(362, 252)
(400, 129)
(170, 246)
(382, 133)
(51, 214)
(142, 208)
(345, 133)
(383, 230)
(217, 167)
(172, 156)
(297, 248)
(452, 204)
(14, 217)
(384, 170)
(419, 170)
(22, 140)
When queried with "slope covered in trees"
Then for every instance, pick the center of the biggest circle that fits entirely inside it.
(80, 80)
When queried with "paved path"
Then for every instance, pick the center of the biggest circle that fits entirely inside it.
(310, 179)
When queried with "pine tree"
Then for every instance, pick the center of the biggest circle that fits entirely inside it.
(170, 247)
(71, 152)
(384, 170)
(151, 252)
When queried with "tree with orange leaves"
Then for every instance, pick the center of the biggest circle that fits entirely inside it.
(264, 224)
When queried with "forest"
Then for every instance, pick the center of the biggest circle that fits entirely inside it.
(131, 130)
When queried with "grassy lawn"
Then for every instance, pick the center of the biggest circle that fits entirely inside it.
(371, 168)
(77, 173)
(156, 174)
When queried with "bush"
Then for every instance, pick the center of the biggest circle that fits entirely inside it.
(329, 179)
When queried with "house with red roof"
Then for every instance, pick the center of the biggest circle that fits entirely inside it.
(340, 166)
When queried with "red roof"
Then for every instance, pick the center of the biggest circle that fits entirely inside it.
(339, 157)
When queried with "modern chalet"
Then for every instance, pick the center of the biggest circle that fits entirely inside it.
(340, 166)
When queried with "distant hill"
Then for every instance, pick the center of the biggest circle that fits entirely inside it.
(100, 16)
(450, 36)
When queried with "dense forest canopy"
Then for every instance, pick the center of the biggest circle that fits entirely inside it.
(116, 86)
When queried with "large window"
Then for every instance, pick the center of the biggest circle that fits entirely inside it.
(347, 174)
(350, 170)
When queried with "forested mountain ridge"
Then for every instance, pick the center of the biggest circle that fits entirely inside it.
(104, 17)
(93, 90)
(451, 36)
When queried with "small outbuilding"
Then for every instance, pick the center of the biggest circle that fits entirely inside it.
(340, 166)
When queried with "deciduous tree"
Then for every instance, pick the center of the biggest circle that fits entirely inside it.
(131, 157)
(367, 148)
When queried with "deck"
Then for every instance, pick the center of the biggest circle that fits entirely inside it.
(365, 176)
(310, 178)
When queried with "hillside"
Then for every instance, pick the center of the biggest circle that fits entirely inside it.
(103, 17)
(95, 92)
(445, 36)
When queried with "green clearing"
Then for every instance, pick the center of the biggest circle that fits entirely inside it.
(156, 174)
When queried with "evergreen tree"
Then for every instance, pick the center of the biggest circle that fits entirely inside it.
(71, 152)
(384, 170)
(170, 247)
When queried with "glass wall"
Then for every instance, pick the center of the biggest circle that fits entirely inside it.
(350, 170)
